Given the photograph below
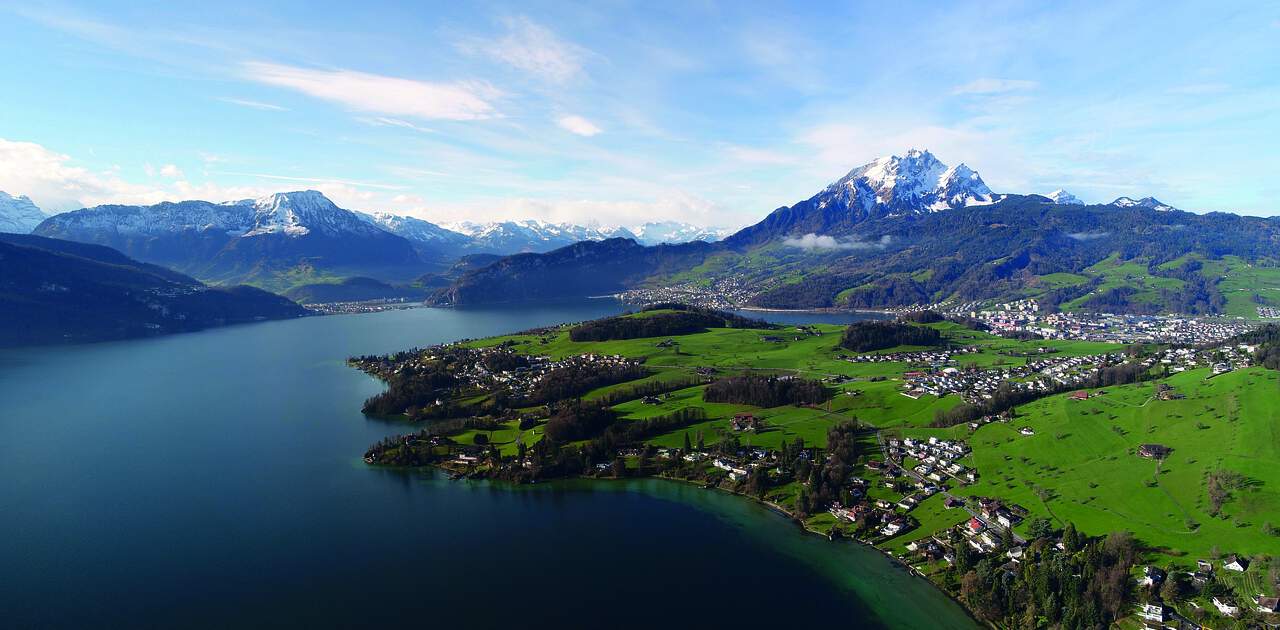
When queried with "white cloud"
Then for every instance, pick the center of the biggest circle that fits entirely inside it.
(578, 125)
(813, 242)
(994, 86)
(383, 121)
(671, 205)
(530, 47)
(56, 184)
(459, 100)
(253, 104)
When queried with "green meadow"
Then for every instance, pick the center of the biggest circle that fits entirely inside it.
(1081, 465)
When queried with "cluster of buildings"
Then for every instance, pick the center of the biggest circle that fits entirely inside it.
(975, 385)
(1024, 317)
(930, 357)
(725, 293)
(937, 459)
(364, 306)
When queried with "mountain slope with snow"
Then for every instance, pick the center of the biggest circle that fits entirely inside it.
(1064, 198)
(1145, 202)
(251, 240)
(18, 215)
(914, 184)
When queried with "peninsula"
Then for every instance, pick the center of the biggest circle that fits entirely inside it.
(1040, 482)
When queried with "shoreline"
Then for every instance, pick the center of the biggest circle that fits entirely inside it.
(455, 475)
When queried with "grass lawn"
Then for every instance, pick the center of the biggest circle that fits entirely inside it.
(1081, 465)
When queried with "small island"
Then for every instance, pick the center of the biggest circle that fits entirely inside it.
(1019, 475)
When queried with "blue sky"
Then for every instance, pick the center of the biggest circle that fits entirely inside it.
(623, 112)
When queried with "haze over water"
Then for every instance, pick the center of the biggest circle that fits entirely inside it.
(214, 479)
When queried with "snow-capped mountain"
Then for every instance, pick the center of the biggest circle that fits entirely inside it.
(301, 213)
(913, 183)
(239, 240)
(19, 214)
(672, 232)
(1064, 198)
(509, 237)
(416, 229)
(1145, 202)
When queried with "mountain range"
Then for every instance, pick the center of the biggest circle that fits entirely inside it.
(58, 291)
(909, 229)
(290, 239)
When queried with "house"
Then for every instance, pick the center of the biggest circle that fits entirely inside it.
(1235, 563)
(1079, 395)
(1151, 576)
(1268, 604)
(1226, 606)
(1152, 612)
(1154, 451)
(952, 502)
(975, 525)
(1027, 431)
(745, 422)
(1006, 518)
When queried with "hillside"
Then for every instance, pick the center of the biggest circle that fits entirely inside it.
(274, 242)
(586, 268)
(58, 291)
(910, 230)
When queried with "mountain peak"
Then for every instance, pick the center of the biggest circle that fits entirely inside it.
(1064, 198)
(915, 182)
(18, 214)
(298, 213)
(1145, 202)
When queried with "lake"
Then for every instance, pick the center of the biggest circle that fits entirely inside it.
(214, 479)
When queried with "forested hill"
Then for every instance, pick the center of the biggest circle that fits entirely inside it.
(981, 252)
(1000, 250)
(581, 269)
(55, 291)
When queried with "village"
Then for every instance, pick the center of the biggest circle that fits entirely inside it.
(1025, 317)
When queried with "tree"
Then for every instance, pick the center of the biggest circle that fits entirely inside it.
(687, 446)
(1171, 591)
(1040, 527)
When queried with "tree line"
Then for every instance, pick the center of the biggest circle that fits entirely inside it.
(879, 335)
(766, 391)
(683, 320)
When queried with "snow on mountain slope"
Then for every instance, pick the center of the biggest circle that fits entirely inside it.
(1145, 202)
(1064, 198)
(292, 214)
(19, 214)
(913, 183)
(416, 229)
(657, 232)
(300, 213)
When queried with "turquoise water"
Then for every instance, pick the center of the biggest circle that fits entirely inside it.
(214, 479)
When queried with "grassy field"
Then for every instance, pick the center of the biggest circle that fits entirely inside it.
(1081, 465)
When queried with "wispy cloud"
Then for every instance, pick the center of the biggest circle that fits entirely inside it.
(578, 125)
(382, 121)
(994, 86)
(253, 104)
(312, 180)
(814, 242)
(459, 100)
(530, 47)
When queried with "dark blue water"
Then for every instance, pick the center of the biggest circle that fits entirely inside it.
(214, 480)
